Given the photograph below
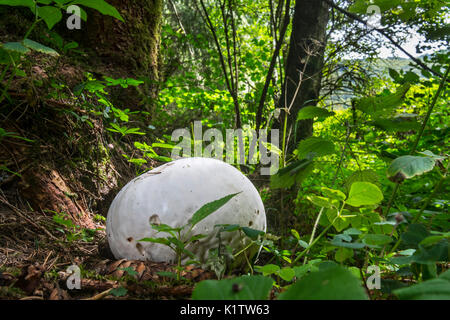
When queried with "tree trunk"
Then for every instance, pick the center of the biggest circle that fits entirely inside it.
(133, 44)
(303, 67)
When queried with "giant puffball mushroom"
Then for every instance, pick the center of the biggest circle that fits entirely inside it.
(171, 194)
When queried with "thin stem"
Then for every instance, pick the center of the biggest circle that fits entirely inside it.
(320, 235)
(316, 224)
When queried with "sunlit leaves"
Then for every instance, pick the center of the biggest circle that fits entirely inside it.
(364, 194)
(316, 147)
(382, 104)
(367, 175)
(311, 112)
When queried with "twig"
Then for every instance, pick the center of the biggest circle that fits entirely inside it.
(100, 296)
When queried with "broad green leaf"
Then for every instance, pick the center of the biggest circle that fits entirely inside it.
(294, 173)
(428, 153)
(15, 47)
(380, 105)
(331, 283)
(351, 245)
(287, 274)
(406, 167)
(210, 208)
(118, 292)
(434, 289)
(315, 146)
(432, 240)
(396, 125)
(364, 194)
(311, 112)
(39, 47)
(376, 239)
(252, 233)
(320, 201)
(241, 288)
(22, 3)
(51, 15)
(101, 6)
(415, 234)
(333, 194)
(343, 254)
(268, 269)
(339, 223)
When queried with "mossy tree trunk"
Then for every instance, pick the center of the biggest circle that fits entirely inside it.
(133, 44)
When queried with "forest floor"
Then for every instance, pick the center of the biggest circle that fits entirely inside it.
(35, 256)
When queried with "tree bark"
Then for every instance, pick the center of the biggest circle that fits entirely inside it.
(133, 44)
(303, 67)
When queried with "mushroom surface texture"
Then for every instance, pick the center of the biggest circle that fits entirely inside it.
(171, 194)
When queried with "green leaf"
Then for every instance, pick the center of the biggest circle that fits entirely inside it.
(15, 47)
(380, 105)
(39, 47)
(406, 167)
(428, 153)
(241, 288)
(311, 112)
(287, 274)
(376, 239)
(268, 269)
(295, 172)
(432, 240)
(396, 125)
(332, 283)
(131, 272)
(316, 146)
(333, 194)
(343, 254)
(51, 15)
(210, 208)
(320, 201)
(340, 223)
(156, 240)
(22, 3)
(364, 194)
(295, 234)
(434, 289)
(362, 176)
(351, 245)
(101, 6)
(119, 292)
(252, 233)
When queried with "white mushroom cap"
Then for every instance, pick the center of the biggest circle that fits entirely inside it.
(174, 192)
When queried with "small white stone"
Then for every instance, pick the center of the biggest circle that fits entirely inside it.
(171, 194)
